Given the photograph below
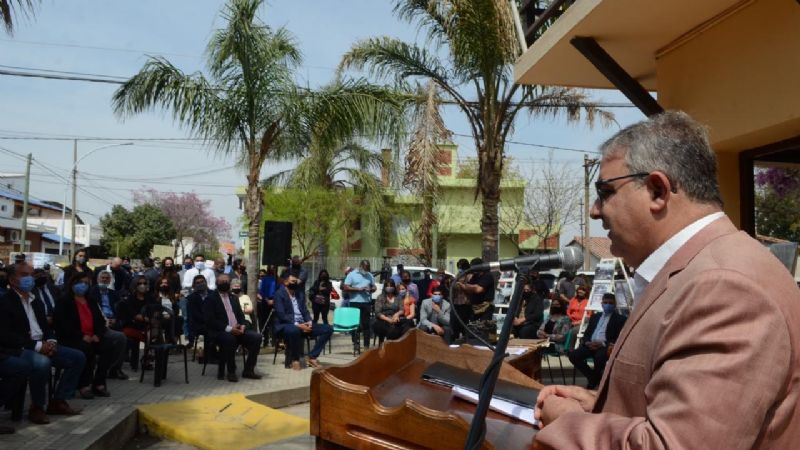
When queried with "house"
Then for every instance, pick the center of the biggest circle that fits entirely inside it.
(37, 235)
(599, 248)
(733, 65)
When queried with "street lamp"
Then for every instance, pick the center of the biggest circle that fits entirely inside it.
(75, 161)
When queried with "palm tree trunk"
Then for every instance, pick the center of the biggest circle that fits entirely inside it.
(253, 205)
(490, 247)
(427, 222)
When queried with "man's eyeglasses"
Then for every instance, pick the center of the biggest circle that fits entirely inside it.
(605, 190)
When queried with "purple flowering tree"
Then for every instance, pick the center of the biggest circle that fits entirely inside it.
(778, 203)
(190, 216)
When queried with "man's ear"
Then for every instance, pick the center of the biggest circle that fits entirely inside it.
(660, 188)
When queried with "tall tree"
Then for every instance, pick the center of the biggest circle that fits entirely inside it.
(250, 106)
(424, 163)
(190, 217)
(552, 199)
(134, 233)
(11, 9)
(473, 64)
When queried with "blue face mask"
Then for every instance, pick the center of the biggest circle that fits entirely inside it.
(608, 309)
(437, 299)
(80, 288)
(26, 283)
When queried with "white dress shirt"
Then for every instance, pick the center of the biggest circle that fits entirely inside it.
(36, 331)
(208, 274)
(658, 259)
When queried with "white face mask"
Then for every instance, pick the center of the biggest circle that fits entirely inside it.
(200, 265)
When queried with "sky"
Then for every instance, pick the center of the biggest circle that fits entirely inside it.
(116, 38)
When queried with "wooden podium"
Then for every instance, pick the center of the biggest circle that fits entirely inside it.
(380, 400)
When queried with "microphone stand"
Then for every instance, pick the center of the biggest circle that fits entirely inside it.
(477, 429)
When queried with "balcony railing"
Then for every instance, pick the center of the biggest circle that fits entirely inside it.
(538, 15)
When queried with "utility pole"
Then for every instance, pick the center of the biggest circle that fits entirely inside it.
(25, 204)
(588, 172)
(63, 217)
(74, 197)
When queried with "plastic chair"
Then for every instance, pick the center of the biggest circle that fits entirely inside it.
(156, 344)
(348, 320)
(554, 352)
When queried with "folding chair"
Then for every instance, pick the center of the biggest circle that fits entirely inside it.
(554, 352)
(347, 320)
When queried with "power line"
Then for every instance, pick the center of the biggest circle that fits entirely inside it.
(94, 47)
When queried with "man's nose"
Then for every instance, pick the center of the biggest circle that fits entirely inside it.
(594, 212)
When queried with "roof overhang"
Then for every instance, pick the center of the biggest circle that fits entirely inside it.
(633, 32)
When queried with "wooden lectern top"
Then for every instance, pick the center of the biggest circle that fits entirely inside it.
(380, 400)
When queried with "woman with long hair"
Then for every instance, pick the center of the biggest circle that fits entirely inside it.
(133, 313)
(78, 265)
(391, 321)
(320, 295)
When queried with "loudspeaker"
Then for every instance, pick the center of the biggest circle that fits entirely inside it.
(277, 243)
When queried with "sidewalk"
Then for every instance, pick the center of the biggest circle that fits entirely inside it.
(101, 415)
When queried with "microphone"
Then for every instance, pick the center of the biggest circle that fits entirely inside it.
(568, 258)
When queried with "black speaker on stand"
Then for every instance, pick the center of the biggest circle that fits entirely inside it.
(277, 243)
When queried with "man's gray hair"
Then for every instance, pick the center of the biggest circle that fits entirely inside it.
(673, 143)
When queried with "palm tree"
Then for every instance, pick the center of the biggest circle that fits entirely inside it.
(249, 105)
(10, 8)
(475, 74)
(423, 164)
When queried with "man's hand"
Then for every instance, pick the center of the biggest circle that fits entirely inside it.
(138, 318)
(48, 348)
(238, 330)
(555, 400)
(439, 330)
(270, 301)
(593, 345)
(519, 321)
(437, 308)
(95, 339)
(87, 339)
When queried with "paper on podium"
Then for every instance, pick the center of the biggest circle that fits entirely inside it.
(522, 413)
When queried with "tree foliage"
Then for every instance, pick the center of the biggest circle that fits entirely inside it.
(10, 10)
(134, 233)
(190, 217)
(552, 199)
(476, 48)
(778, 203)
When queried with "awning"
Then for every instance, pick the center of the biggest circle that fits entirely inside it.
(54, 237)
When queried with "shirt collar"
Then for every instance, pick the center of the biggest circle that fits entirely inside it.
(653, 264)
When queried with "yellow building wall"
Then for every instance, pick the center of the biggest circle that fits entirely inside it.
(740, 76)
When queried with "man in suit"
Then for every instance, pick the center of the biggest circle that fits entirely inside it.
(293, 322)
(601, 333)
(225, 324)
(24, 331)
(710, 355)
(46, 291)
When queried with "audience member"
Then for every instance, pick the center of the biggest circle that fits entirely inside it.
(78, 265)
(225, 324)
(239, 272)
(320, 295)
(461, 305)
(601, 334)
(360, 285)
(390, 319)
(556, 327)
(531, 315)
(566, 287)
(200, 268)
(26, 336)
(577, 306)
(296, 267)
(397, 277)
(244, 301)
(107, 299)
(480, 288)
(46, 292)
(434, 316)
(133, 314)
(293, 323)
(194, 307)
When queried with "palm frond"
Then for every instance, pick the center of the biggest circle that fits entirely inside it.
(10, 10)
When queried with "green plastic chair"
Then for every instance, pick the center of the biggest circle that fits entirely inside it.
(347, 320)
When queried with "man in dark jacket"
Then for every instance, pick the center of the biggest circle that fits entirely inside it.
(225, 324)
(527, 324)
(602, 332)
(293, 322)
(25, 333)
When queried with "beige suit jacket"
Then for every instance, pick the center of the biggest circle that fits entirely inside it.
(709, 359)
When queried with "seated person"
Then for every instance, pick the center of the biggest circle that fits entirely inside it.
(194, 308)
(434, 315)
(225, 324)
(293, 322)
(409, 301)
(80, 324)
(244, 300)
(134, 313)
(577, 305)
(601, 333)
(31, 344)
(556, 327)
(170, 310)
(531, 316)
(390, 319)
(107, 298)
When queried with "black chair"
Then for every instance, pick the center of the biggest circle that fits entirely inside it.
(156, 345)
(211, 348)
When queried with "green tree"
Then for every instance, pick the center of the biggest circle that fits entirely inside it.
(250, 106)
(778, 203)
(9, 9)
(134, 233)
(473, 64)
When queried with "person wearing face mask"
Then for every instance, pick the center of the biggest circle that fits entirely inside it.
(320, 295)
(79, 324)
(460, 301)
(434, 316)
(107, 298)
(390, 319)
(200, 268)
(360, 285)
(600, 335)
(556, 327)
(133, 312)
(170, 311)
(296, 267)
(45, 292)
(194, 316)
(244, 300)
(577, 306)
(78, 265)
(226, 326)
(24, 333)
(293, 323)
(531, 314)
